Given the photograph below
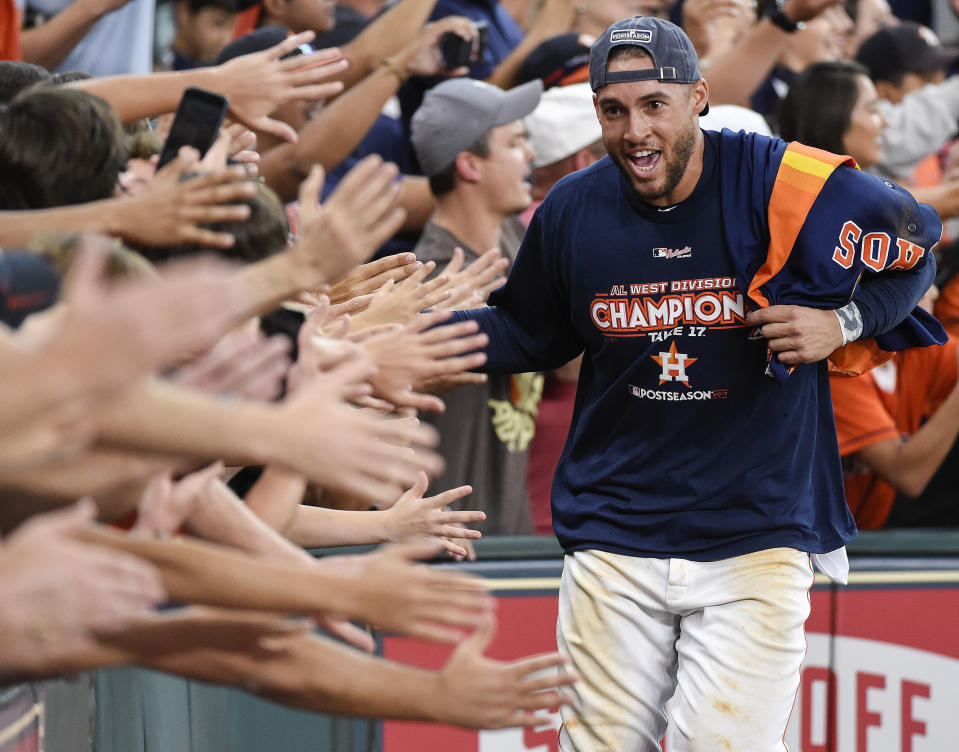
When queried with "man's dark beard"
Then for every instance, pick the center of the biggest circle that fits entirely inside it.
(675, 168)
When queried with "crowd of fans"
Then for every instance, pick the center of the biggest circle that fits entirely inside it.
(207, 356)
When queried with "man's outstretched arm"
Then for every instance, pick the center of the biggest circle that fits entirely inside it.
(527, 321)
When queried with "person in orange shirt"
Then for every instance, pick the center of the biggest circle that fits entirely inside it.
(947, 307)
(947, 254)
(9, 31)
(897, 428)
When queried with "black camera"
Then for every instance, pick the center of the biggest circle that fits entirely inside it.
(458, 52)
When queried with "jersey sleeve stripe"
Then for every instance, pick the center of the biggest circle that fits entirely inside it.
(802, 174)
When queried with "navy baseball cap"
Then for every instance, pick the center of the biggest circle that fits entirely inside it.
(559, 61)
(674, 57)
(904, 48)
(27, 284)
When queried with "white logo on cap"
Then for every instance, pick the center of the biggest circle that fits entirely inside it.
(631, 35)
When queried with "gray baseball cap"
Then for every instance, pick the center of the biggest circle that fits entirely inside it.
(674, 57)
(455, 113)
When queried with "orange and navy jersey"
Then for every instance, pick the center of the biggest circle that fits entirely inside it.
(828, 225)
(890, 401)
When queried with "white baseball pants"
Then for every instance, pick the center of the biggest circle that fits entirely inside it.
(722, 640)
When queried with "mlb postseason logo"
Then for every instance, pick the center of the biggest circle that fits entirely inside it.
(643, 36)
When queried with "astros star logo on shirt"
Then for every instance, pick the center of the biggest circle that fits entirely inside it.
(674, 365)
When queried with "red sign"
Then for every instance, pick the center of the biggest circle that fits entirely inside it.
(881, 673)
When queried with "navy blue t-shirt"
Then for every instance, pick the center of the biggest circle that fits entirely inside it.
(680, 445)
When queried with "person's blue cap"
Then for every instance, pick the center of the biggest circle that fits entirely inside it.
(673, 55)
(27, 284)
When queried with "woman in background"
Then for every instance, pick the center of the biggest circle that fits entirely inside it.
(834, 106)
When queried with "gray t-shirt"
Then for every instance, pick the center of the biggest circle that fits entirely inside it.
(486, 429)
(120, 42)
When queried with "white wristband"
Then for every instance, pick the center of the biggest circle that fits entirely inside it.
(850, 322)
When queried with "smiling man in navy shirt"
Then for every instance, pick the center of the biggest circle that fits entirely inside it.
(705, 277)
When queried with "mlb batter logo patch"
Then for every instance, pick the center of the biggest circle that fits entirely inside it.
(671, 253)
(632, 35)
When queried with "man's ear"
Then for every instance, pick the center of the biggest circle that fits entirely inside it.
(699, 96)
(468, 167)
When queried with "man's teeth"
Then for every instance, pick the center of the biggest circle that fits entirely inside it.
(644, 160)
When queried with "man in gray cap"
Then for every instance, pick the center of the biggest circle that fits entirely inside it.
(471, 143)
(701, 472)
